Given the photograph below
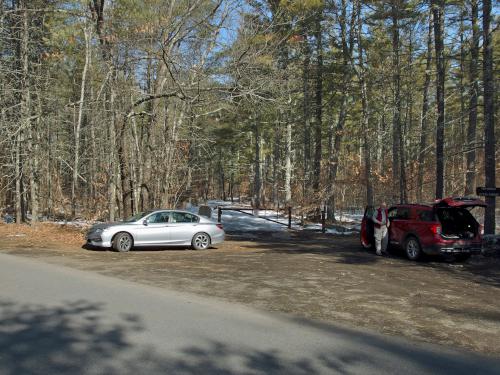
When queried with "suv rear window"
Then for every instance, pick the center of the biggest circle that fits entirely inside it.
(426, 215)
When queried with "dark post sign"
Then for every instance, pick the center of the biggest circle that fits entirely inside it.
(488, 191)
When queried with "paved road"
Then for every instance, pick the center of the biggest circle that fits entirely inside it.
(56, 320)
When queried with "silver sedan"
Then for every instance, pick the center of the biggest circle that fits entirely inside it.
(157, 228)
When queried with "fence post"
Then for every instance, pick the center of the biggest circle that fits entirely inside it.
(323, 221)
(289, 217)
(219, 214)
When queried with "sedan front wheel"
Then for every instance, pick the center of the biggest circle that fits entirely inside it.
(122, 242)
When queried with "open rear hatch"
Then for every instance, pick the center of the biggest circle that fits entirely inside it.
(456, 220)
(464, 202)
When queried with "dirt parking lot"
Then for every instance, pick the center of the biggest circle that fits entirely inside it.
(321, 277)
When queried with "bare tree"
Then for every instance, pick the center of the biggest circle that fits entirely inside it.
(489, 118)
(78, 125)
(470, 174)
(424, 121)
(438, 19)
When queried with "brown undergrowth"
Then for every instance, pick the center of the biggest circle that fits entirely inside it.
(41, 235)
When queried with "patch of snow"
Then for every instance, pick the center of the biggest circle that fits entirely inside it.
(260, 220)
(336, 230)
(255, 220)
(214, 203)
(75, 223)
(341, 233)
(234, 221)
(345, 217)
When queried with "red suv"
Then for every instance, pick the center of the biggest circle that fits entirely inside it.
(444, 227)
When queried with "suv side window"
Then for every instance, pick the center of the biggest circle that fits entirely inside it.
(393, 212)
(183, 217)
(426, 215)
(401, 213)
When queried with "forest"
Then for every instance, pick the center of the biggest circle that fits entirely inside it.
(111, 107)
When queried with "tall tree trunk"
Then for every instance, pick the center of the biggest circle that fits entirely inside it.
(275, 158)
(318, 118)
(50, 192)
(424, 121)
(76, 150)
(347, 45)
(19, 176)
(222, 177)
(137, 168)
(26, 109)
(462, 142)
(306, 51)
(122, 171)
(112, 171)
(365, 121)
(97, 12)
(396, 117)
(93, 161)
(470, 174)
(257, 185)
(288, 162)
(489, 117)
(438, 14)
(283, 31)
(366, 144)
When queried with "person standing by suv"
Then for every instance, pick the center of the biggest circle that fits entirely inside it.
(381, 225)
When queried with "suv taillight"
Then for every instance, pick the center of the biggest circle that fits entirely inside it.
(481, 229)
(436, 229)
(220, 226)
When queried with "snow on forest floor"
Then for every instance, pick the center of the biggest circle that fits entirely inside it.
(260, 221)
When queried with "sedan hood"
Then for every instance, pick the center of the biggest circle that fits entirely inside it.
(106, 225)
(460, 202)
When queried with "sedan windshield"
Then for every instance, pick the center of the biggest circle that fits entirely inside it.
(137, 217)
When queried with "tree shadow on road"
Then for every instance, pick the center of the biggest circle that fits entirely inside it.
(36, 339)
(77, 338)
(429, 358)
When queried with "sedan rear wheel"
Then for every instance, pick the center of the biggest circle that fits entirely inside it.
(122, 242)
(412, 248)
(201, 241)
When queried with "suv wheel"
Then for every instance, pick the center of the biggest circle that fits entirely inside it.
(412, 248)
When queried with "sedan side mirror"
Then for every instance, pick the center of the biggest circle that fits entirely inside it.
(145, 222)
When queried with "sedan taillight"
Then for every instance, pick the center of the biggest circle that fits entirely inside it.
(220, 226)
